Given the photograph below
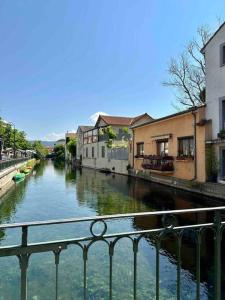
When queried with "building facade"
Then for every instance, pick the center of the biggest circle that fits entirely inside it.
(112, 154)
(80, 142)
(214, 52)
(173, 145)
(68, 137)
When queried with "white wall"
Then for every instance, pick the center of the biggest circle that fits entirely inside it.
(98, 162)
(215, 80)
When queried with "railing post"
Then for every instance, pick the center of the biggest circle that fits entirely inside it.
(85, 257)
(111, 252)
(135, 250)
(23, 259)
(198, 263)
(217, 254)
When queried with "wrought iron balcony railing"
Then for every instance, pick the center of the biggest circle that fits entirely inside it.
(158, 163)
(169, 226)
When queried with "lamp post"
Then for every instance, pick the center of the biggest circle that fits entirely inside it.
(14, 139)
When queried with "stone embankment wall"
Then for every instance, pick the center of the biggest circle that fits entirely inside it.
(6, 177)
(216, 190)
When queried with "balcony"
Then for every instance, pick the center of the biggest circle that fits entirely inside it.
(158, 163)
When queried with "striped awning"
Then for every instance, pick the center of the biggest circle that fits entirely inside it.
(162, 137)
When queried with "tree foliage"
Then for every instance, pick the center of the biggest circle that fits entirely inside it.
(72, 146)
(41, 151)
(187, 72)
(59, 151)
(8, 134)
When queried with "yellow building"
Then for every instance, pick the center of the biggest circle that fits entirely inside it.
(173, 145)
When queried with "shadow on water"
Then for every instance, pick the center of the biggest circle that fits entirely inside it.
(85, 192)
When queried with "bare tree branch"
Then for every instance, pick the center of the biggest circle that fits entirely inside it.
(187, 72)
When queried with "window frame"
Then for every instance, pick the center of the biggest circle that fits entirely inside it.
(182, 155)
(222, 55)
(164, 141)
(103, 151)
(140, 153)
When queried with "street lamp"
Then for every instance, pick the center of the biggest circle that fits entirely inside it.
(14, 139)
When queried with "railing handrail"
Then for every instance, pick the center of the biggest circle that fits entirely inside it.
(110, 217)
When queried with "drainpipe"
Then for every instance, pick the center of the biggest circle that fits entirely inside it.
(195, 146)
(133, 147)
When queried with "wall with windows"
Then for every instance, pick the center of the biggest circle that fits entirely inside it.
(215, 81)
(174, 136)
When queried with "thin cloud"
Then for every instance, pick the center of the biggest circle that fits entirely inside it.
(93, 118)
(53, 136)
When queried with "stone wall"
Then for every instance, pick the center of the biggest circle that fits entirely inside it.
(6, 177)
(215, 190)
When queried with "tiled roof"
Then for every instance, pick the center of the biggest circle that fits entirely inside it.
(113, 120)
(125, 121)
(85, 128)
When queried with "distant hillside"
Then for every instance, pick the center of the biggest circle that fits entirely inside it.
(47, 143)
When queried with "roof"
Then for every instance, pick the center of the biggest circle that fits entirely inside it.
(203, 49)
(169, 116)
(85, 128)
(118, 120)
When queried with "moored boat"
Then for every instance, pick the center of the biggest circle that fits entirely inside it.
(19, 177)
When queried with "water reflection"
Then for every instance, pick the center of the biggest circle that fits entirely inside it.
(56, 191)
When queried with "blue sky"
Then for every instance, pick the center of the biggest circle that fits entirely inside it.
(63, 61)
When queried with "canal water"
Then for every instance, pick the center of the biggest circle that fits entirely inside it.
(56, 192)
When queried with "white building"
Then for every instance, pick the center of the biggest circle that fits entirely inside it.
(80, 141)
(97, 155)
(214, 52)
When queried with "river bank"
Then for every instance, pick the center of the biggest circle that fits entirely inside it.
(6, 175)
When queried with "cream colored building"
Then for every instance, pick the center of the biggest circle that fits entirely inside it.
(173, 145)
(95, 152)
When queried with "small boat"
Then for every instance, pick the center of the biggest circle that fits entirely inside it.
(105, 170)
(25, 171)
(19, 177)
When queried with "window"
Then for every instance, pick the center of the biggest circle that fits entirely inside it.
(162, 148)
(87, 152)
(186, 147)
(140, 149)
(222, 54)
(223, 114)
(92, 152)
(103, 151)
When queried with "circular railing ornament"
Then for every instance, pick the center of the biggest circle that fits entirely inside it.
(97, 223)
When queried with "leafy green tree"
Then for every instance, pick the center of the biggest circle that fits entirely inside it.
(72, 146)
(41, 151)
(59, 151)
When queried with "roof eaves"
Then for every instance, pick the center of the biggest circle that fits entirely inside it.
(203, 49)
(168, 117)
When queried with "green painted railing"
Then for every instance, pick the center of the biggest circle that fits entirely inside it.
(4, 164)
(170, 225)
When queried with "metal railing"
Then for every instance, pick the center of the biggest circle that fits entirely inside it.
(169, 221)
(158, 163)
(4, 164)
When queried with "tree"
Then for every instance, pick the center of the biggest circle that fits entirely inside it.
(7, 133)
(187, 72)
(72, 146)
(41, 151)
(59, 151)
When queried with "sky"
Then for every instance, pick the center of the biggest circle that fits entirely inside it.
(63, 62)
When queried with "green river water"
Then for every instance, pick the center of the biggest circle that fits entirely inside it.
(56, 192)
